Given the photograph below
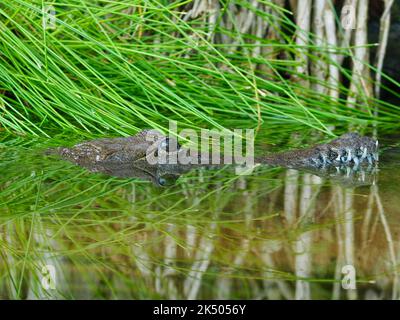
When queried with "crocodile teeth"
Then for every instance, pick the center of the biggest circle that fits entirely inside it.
(324, 159)
(315, 161)
(343, 157)
(349, 155)
(327, 161)
(364, 155)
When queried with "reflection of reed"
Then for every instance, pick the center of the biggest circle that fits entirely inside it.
(389, 240)
(344, 213)
(25, 282)
(290, 200)
(248, 201)
(375, 202)
(349, 235)
(337, 211)
(214, 239)
(303, 244)
(8, 260)
(200, 265)
(201, 257)
(46, 257)
(170, 257)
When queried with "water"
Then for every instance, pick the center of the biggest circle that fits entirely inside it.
(276, 234)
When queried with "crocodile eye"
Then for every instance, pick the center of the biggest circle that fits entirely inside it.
(161, 181)
(166, 180)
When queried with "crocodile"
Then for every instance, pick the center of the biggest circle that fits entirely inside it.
(348, 157)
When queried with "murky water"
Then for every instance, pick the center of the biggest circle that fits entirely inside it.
(276, 234)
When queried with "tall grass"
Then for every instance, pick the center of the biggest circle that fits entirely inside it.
(117, 66)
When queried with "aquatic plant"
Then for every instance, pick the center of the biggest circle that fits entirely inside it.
(116, 66)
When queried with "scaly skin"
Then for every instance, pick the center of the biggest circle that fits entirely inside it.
(350, 149)
(126, 157)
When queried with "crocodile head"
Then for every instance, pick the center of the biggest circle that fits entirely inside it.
(127, 157)
(144, 145)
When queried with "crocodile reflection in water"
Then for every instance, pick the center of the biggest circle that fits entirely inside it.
(350, 159)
